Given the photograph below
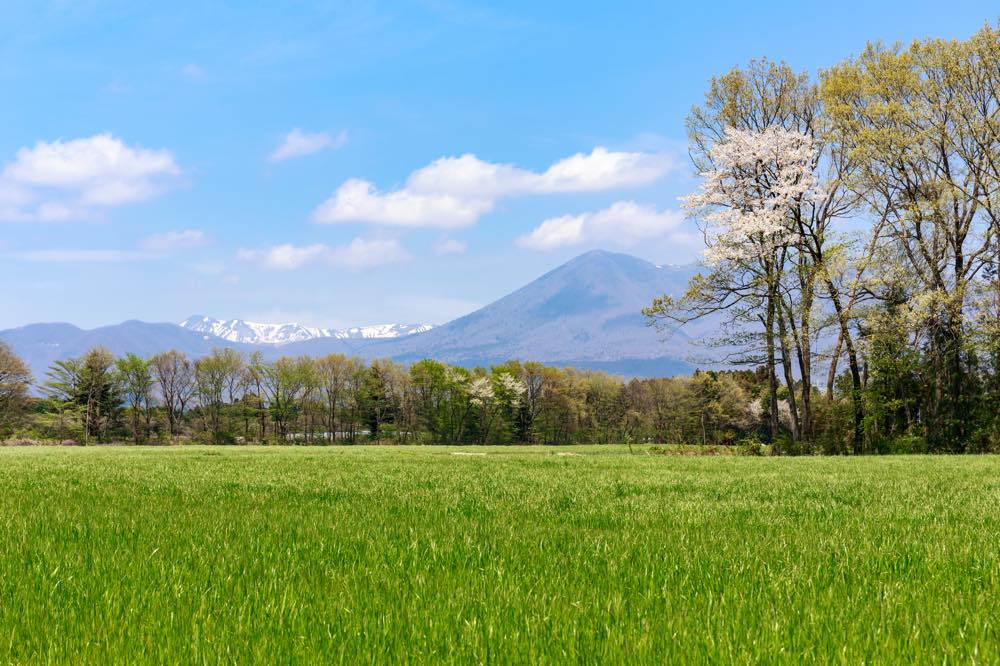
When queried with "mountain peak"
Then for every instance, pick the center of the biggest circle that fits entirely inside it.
(605, 259)
(606, 255)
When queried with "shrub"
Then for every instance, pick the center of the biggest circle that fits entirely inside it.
(901, 445)
(751, 446)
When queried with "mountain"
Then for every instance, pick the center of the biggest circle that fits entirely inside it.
(42, 344)
(585, 313)
(254, 333)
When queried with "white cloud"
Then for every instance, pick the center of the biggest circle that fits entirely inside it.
(65, 180)
(83, 256)
(456, 191)
(624, 223)
(298, 144)
(450, 246)
(175, 240)
(468, 176)
(555, 232)
(359, 201)
(359, 254)
(605, 170)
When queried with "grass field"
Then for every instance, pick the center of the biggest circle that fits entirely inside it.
(356, 554)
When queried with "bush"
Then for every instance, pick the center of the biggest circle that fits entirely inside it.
(751, 446)
(784, 446)
(902, 445)
(985, 440)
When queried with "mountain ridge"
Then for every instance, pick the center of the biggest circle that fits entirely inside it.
(552, 319)
(257, 333)
(584, 313)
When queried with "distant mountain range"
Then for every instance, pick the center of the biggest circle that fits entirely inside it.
(585, 313)
(254, 333)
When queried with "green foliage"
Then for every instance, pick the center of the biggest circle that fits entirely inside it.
(15, 380)
(225, 398)
(907, 444)
(751, 446)
(135, 383)
(87, 387)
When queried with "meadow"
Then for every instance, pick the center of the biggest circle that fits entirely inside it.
(501, 554)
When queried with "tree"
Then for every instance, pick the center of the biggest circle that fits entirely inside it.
(430, 390)
(135, 383)
(87, 383)
(286, 383)
(100, 392)
(921, 122)
(746, 205)
(15, 380)
(217, 383)
(174, 376)
(254, 373)
(333, 375)
(382, 393)
(816, 263)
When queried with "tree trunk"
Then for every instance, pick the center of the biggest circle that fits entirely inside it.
(786, 365)
(772, 379)
(852, 360)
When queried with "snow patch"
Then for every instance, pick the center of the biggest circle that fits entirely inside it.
(256, 333)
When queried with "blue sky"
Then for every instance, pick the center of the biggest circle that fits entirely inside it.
(350, 163)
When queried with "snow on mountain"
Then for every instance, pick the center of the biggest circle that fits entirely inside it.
(255, 333)
(380, 331)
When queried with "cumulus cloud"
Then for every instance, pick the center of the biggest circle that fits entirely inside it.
(605, 170)
(174, 240)
(359, 201)
(450, 246)
(359, 254)
(469, 177)
(65, 180)
(298, 144)
(624, 223)
(456, 191)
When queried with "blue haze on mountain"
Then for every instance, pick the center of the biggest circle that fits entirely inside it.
(585, 313)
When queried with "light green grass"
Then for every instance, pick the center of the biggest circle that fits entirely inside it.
(355, 554)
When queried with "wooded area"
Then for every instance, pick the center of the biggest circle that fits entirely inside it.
(225, 398)
(851, 226)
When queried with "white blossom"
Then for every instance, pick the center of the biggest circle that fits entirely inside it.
(745, 200)
(511, 388)
(480, 391)
(455, 376)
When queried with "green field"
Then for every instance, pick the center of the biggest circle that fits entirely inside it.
(364, 554)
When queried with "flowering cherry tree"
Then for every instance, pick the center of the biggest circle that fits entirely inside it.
(749, 207)
(746, 200)
(492, 395)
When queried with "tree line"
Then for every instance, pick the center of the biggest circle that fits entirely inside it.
(228, 398)
(851, 221)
